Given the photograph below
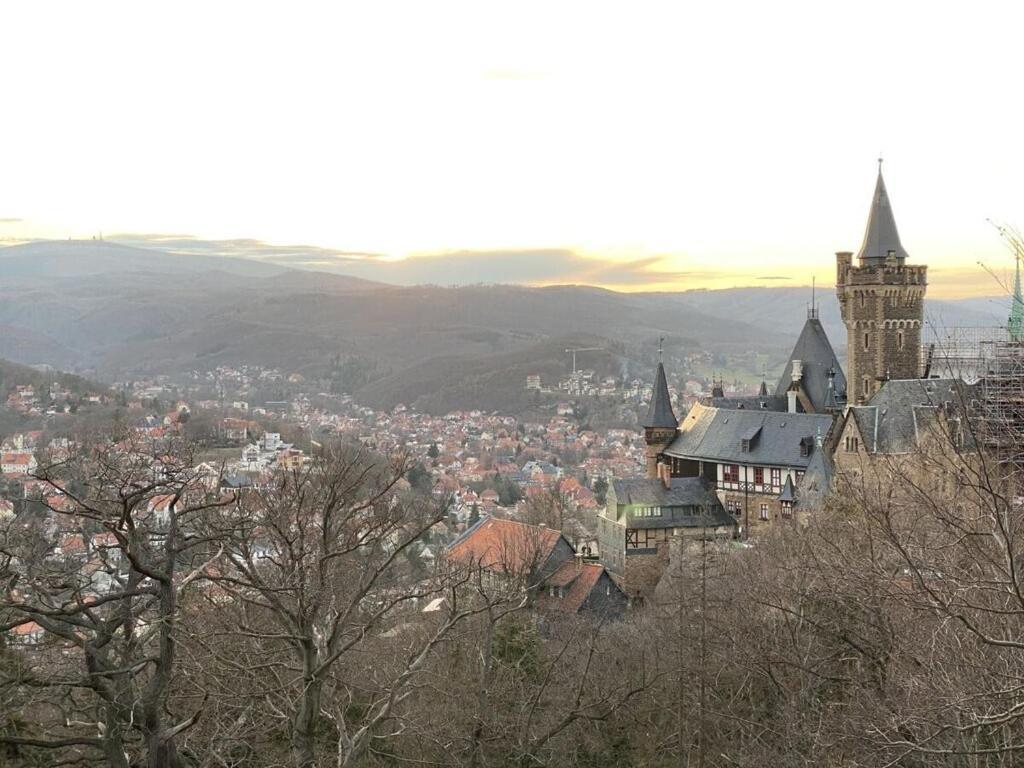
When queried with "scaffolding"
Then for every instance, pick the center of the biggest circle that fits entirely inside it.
(992, 360)
(962, 352)
(1002, 402)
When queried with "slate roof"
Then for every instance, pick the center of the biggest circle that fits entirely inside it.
(788, 492)
(880, 235)
(904, 410)
(816, 483)
(677, 502)
(816, 356)
(716, 434)
(749, 403)
(660, 414)
(651, 492)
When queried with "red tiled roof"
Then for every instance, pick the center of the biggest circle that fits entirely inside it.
(71, 543)
(505, 545)
(578, 580)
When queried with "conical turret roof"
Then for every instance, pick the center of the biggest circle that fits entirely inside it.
(880, 235)
(819, 367)
(660, 413)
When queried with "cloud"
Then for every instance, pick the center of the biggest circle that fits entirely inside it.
(530, 266)
(10, 220)
(773, 277)
(245, 248)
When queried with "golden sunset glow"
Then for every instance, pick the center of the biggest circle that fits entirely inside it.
(664, 145)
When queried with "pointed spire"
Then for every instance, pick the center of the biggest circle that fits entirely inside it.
(1016, 324)
(831, 403)
(788, 491)
(880, 235)
(660, 414)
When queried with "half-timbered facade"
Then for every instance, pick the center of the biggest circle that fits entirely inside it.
(643, 515)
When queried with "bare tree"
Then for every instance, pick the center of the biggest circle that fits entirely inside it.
(103, 589)
(314, 576)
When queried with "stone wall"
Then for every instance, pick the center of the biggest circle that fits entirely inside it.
(883, 310)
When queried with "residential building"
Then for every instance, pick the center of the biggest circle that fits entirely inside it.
(542, 561)
(643, 515)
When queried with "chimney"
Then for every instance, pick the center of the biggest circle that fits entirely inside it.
(791, 395)
(579, 562)
(798, 370)
(665, 474)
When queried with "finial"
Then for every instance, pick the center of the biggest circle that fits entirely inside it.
(880, 160)
(661, 348)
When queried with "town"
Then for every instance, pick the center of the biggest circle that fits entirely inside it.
(511, 385)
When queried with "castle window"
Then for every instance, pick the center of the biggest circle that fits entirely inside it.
(852, 444)
(764, 511)
(866, 386)
(862, 298)
(787, 510)
(776, 476)
(867, 339)
(758, 475)
(899, 340)
(731, 473)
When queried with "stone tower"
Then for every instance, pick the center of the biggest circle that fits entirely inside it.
(661, 424)
(882, 303)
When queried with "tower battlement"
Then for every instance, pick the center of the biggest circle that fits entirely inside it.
(881, 299)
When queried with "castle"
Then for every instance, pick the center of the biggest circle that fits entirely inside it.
(734, 465)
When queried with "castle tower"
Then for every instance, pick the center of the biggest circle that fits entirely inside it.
(882, 303)
(661, 424)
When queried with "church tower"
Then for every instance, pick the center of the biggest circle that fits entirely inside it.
(882, 303)
(661, 424)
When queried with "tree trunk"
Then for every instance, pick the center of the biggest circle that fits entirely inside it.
(307, 715)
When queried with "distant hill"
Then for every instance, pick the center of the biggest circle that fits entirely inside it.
(116, 312)
(15, 374)
(785, 309)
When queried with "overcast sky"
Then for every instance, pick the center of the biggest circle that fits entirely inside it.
(703, 144)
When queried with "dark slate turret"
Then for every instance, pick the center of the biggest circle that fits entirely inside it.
(814, 368)
(661, 425)
(881, 240)
(660, 414)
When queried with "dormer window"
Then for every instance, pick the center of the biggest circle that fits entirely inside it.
(748, 441)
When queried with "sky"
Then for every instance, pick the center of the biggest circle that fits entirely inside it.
(632, 145)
